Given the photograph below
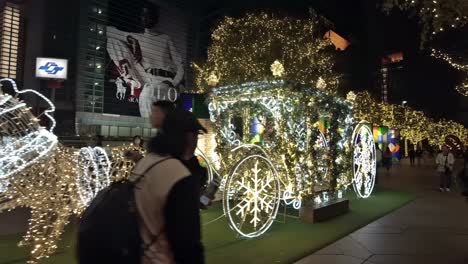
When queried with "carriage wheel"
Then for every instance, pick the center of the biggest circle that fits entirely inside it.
(93, 173)
(365, 165)
(252, 196)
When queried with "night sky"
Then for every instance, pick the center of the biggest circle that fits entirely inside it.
(425, 82)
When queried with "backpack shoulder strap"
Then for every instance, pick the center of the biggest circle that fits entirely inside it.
(145, 246)
(141, 176)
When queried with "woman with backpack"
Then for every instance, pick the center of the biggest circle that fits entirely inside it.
(167, 215)
(167, 197)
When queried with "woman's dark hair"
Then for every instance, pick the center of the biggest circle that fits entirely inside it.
(170, 140)
(166, 106)
(168, 144)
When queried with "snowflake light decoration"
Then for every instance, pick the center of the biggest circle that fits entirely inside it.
(252, 195)
(364, 160)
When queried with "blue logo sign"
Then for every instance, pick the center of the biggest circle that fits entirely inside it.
(51, 68)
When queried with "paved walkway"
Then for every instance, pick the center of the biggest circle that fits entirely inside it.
(431, 229)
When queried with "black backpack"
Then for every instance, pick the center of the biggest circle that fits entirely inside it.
(109, 227)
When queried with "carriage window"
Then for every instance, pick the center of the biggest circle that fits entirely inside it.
(238, 126)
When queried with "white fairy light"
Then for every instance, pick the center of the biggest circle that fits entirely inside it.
(290, 200)
(24, 141)
(317, 200)
(326, 198)
(93, 168)
(364, 160)
(256, 198)
(47, 112)
(340, 194)
(209, 169)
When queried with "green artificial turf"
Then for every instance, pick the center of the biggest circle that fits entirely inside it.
(283, 243)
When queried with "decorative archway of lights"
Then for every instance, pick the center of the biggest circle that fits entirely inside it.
(364, 159)
(93, 173)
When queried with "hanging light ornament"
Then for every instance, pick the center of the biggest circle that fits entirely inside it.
(277, 69)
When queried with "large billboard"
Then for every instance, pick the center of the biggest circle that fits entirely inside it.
(145, 56)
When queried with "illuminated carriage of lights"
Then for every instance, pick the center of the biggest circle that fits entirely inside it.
(254, 186)
(24, 141)
(364, 160)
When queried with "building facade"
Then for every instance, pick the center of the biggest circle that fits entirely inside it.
(122, 55)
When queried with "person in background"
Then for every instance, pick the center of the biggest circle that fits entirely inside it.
(445, 161)
(159, 110)
(167, 198)
(419, 153)
(387, 159)
(186, 122)
(137, 141)
(98, 142)
(378, 155)
(411, 154)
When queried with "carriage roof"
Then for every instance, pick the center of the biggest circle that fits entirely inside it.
(277, 90)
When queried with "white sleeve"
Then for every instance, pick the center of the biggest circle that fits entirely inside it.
(450, 159)
(177, 60)
(114, 33)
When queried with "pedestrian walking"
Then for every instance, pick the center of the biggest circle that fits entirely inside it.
(445, 162)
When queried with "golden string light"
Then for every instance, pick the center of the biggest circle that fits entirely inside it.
(413, 125)
(462, 88)
(444, 56)
(49, 190)
(436, 16)
(277, 68)
(264, 47)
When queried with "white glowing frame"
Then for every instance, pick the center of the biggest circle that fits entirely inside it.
(364, 159)
(209, 169)
(93, 173)
(255, 200)
(22, 152)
